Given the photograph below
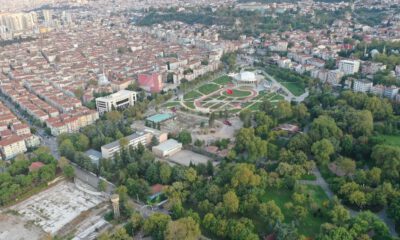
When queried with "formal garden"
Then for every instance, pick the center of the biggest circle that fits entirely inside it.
(222, 94)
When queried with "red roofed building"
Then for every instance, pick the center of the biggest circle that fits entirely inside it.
(151, 82)
(35, 166)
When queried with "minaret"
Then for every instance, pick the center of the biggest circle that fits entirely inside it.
(115, 204)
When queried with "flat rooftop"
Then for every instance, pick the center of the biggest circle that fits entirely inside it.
(161, 117)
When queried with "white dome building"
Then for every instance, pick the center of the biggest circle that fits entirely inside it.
(246, 78)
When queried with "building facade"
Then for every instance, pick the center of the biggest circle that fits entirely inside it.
(118, 100)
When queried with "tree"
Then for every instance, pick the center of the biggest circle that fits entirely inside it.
(339, 233)
(282, 111)
(346, 165)
(245, 117)
(47, 173)
(394, 210)
(69, 171)
(62, 162)
(300, 213)
(322, 150)
(82, 143)
(388, 159)
(339, 215)
(165, 173)
(137, 188)
(185, 137)
(211, 119)
(254, 146)
(270, 213)
(324, 127)
(358, 198)
(136, 221)
(154, 141)
(156, 225)
(120, 234)
(102, 185)
(184, 228)
(231, 202)
(67, 149)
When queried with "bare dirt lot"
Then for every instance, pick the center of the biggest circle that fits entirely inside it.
(53, 208)
(14, 228)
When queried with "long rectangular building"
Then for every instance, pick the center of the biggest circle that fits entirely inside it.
(109, 150)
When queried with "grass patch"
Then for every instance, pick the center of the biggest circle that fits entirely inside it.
(310, 225)
(189, 104)
(170, 104)
(208, 88)
(308, 177)
(192, 95)
(386, 139)
(223, 80)
(294, 88)
(255, 106)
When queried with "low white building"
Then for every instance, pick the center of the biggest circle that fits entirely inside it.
(118, 100)
(109, 150)
(167, 148)
(246, 78)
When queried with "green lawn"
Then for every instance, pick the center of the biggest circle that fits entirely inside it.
(238, 93)
(387, 139)
(293, 88)
(192, 95)
(208, 88)
(310, 225)
(223, 80)
(277, 97)
(170, 104)
(190, 104)
(309, 177)
(255, 106)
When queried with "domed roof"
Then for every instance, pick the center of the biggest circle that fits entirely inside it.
(247, 76)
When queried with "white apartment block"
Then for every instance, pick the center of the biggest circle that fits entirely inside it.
(115, 101)
(12, 146)
(362, 85)
(349, 67)
(109, 150)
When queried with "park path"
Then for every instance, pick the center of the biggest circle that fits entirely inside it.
(320, 181)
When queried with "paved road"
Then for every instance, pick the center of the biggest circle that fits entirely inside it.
(320, 181)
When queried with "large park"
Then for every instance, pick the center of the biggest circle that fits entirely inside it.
(224, 93)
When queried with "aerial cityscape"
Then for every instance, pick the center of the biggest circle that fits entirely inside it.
(200, 119)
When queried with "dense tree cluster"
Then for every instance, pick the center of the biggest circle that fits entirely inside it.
(17, 180)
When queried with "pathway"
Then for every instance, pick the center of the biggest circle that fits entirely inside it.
(320, 181)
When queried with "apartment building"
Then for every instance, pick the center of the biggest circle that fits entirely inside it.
(12, 146)
(109, 150)
(362, 85)
(349, 67)
(118, 100)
